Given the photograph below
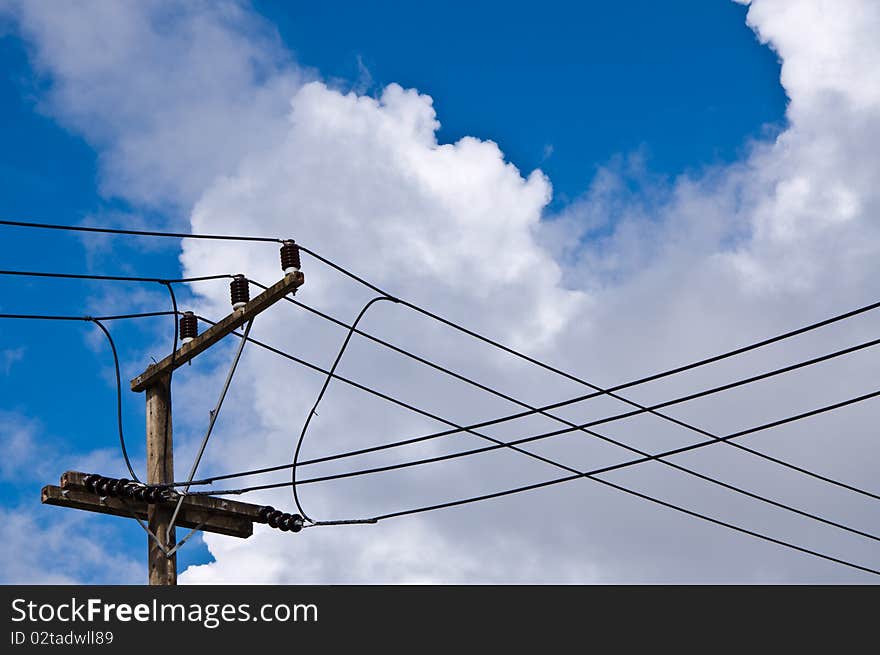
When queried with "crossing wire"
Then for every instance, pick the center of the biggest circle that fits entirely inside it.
(327, 380)
(572, 427)
(97, 320)
(435, 317)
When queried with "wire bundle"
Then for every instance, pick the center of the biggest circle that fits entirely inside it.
(295, 522)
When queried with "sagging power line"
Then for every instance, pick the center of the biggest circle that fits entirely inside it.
(530, 409)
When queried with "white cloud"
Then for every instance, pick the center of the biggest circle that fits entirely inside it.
(48, 545)
(684, 269)
(170, 95)
(64, 549)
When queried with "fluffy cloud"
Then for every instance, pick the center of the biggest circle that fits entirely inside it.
(615, 286)
(53, 546)
(170, 95)
(67, 549)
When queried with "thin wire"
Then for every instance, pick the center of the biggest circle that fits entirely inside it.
(563, 403)
(118, 398)
(215, 413)
(45, 317)
(606, 469)
(599, 390)
(570, 376)
(545, 435)
(97, 320)
(612, 391)
(593, 476)
(641, 409)
(167, 430)
(638, 494)
(613, 467)
(330, 374)
(431, 315)
(143, 233)
(119, 278)
(499, 444)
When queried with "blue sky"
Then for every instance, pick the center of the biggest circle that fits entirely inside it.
(564, 87)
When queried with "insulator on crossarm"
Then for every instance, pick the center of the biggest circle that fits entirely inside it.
(189, 327)
(291, 523)
(263, 514)
(118, 486)
(273, 517)
(239, 291)
(103, 486)
(289, 257)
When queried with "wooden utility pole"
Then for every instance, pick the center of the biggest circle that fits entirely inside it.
(205, 513)
(160, 470)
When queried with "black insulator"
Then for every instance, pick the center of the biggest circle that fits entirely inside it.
(273, 517)
(140, 493)
(102, 487)
(128, 490)
(290, 256)
(291, 523)
(152, 495)
(239, 291)
(263, 514)
(189, 327)
(282, 523)
(90, 480)
(117, 488)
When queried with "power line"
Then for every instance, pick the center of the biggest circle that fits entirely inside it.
(97, 320)
(330, 375)
(166, 429)
(645, 457)
(682, 399)
(168, 283)
(593, 476)
(619, 387)
(453, 431)
(553, 433)
(605, 469)
(116, 317)
(611, 392)
(599, 390)
(120, 278)
(142, 233)
(637, 494)
(118, 399)
(350, 274)
(455, 326)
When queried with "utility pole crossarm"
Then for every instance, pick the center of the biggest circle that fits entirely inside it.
(289, 283)
(229, 517)
(81, 499)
